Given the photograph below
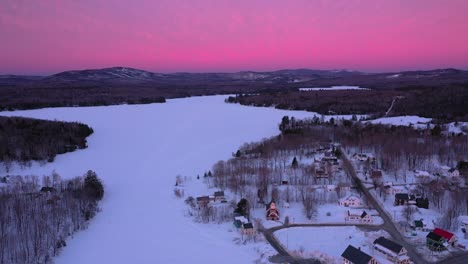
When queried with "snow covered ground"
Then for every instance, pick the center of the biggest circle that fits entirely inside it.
(416, 121)
(333, 88)
(331, 241)
(138, 150)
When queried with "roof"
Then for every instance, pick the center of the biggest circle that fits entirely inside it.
(434, 236)
(364, 213)
(355, 255)
(452, 170)
(220, 193)
(418, 223)
(376, 173)
(247, 225)
(203, 198)
(443, 233)
(389, 244)
(401, 196)
(242, 219)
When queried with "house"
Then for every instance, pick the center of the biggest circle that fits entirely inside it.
(421, 174)
(239, 221)
(247, 229)
(404, 198)
(449, 237)
(352, 255)
(219, 196)
(401, 198)
(272, 212)
(422, 202)
(203, 201)
(421, 225)
(453, 172)
(358, 215)
(350, 201)
(435, 242)
(391, 250)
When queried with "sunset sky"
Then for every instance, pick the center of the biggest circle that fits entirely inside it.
(50, 36)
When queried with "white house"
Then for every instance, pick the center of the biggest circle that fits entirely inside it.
(358, 216)
(350, 201)
(394, 252)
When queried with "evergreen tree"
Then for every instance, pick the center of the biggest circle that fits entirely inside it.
(238, 154)
(242, 207)
(294, 163)
(93, 186)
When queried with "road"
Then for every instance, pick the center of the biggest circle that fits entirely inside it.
(388, 224)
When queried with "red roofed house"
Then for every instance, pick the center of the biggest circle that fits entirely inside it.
(451, 238)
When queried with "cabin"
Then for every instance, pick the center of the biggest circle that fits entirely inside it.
(272, 212)
(353, 255)
(247, 229)
(449, 237)
(390, 189)
(350, 201)
(358, 215)
(219, 196)
(394, 252)
(435, 242)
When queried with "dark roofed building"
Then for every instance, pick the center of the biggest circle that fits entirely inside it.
(219, 196)
(391, 250)
(401, 198)
(435, 242)
(352, 255)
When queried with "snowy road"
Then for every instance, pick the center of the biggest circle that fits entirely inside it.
(138, 150)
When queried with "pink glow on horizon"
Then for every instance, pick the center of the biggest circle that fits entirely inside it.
(49, 36)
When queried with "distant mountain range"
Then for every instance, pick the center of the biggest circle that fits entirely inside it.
(122, 76)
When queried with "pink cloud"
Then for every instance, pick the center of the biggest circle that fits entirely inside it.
(221, 35)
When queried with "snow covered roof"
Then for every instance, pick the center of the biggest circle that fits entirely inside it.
(242, 219)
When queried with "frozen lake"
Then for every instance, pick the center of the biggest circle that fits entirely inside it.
(137, 150)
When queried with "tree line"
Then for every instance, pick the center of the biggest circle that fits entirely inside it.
(26, 139)
(35, 222)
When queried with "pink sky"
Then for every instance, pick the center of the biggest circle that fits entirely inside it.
(50, 36)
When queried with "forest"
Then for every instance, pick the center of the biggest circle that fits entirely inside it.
(37, 217)
(444, 103)
(26, 139)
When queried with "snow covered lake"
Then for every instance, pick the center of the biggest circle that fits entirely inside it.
(137, 150)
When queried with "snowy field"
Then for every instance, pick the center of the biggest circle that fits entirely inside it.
(416, 121)
(333, 88)
(138, 150)
(331, 241)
